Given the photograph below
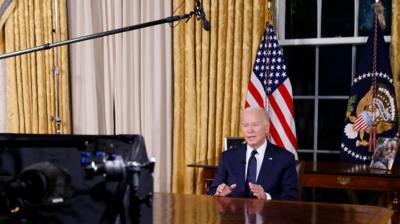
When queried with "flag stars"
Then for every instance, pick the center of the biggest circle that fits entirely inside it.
(256, 68)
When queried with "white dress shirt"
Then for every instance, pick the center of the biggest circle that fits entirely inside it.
(259, 157)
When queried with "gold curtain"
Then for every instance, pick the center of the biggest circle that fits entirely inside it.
(395, 48)
(31, 83)
(211, 73)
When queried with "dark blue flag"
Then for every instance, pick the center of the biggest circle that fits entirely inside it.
(372, 104)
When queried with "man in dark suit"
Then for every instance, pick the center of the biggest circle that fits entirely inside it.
(257, 169)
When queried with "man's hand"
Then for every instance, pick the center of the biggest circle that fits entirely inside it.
(223, 189)
(258, 191)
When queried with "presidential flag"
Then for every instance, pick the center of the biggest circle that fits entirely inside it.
(270, 87)
(371, 109)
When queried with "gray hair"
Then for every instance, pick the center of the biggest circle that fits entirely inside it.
(255, 109)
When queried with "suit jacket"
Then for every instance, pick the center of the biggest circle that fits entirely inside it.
(277, 176)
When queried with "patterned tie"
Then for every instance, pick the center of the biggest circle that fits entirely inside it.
(251, 171)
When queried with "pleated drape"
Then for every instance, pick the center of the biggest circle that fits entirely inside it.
(122, 84)
(211, 73)
(31, 85)
(395, 48)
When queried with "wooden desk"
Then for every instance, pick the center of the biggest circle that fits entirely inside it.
(181, 208)
(350, 176)
(334, 175)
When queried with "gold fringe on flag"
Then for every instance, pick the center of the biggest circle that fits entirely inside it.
(380, 14)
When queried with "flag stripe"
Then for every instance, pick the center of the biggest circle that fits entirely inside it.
(284, 90)
(285, 104)
(251, 101)
(255, 94)
(275, 136)
(286, 131)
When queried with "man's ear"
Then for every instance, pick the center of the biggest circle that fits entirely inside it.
(267, 130)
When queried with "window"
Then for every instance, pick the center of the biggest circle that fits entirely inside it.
(322, 40)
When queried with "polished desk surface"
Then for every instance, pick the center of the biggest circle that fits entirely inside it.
(185, 208)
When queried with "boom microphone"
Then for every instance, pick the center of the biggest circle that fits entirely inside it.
(200, 13)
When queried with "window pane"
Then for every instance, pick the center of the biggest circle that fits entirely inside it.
(300, 62)
(304, 118)
(366, 17)
(330, 123)
(301, 19)
(328, 157)
(306, 156)
(337, 18)
(335, 70)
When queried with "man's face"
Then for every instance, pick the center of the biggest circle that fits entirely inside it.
(255, 128)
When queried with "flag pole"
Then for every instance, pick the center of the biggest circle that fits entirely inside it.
(379, 20)
(269, 18)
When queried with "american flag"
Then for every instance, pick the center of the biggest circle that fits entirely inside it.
(270, 87)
